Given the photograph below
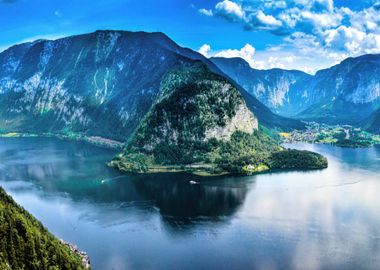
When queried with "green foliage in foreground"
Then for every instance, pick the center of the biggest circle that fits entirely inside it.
(26, 244)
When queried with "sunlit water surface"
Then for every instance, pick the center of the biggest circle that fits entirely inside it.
(327, 219)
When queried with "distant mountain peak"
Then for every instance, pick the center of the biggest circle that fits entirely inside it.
(354, 83)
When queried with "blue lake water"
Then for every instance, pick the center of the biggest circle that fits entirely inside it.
(328, 219)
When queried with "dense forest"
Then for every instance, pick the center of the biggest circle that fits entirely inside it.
(25, 244)
(243, 153)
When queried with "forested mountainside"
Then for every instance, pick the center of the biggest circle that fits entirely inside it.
(201, 123)
(26, 244)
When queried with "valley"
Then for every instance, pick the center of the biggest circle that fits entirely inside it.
(347, 93)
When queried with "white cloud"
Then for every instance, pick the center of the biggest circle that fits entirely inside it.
(267, 20)
(229, 10)
(207, 12)
(284, 57)
(281, 17)
(205, 50)
(310, 29)
(275, 4)
(268, 59)
(247, 53)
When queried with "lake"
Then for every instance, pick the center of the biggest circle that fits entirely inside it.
(328, 219)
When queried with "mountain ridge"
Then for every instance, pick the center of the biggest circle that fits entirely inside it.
(109, 77)
(323, 97)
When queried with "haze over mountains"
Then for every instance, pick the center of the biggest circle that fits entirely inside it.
(348, 93)
(102, 83)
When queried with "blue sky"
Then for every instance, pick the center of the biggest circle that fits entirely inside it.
(301, 34)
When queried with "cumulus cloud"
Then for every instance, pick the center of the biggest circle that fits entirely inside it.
(259, 60)
(229, 10)
(284, 56)
(309, 28)
(262, 21)
(247, 53)
(280, 17)
(205, 50)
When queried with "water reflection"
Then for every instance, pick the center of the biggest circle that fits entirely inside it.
(72, 169)
(182, 204)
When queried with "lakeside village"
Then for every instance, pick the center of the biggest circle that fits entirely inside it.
(338, 135)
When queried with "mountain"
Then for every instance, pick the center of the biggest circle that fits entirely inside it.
(373, 122)
(276, 88)
(200, 123)
(344, 94)
(100, 84)
(26, 244)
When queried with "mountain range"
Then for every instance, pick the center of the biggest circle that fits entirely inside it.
(174, 107)
(102, 83)
(347, 93)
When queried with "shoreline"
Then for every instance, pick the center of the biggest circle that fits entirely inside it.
(205, 170)
(83, 255)
(344, 136)
(94, 140)
(331, 144)
(224, 173)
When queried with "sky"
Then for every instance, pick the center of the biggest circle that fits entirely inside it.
(308, 35)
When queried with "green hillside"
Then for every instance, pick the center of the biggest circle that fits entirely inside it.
(201, 124)
(26, 244)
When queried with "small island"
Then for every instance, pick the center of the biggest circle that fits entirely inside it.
(243, 154)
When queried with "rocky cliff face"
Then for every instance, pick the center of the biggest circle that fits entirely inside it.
(325, 97)
(346, 93)
(194, 106)
(243, 120)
